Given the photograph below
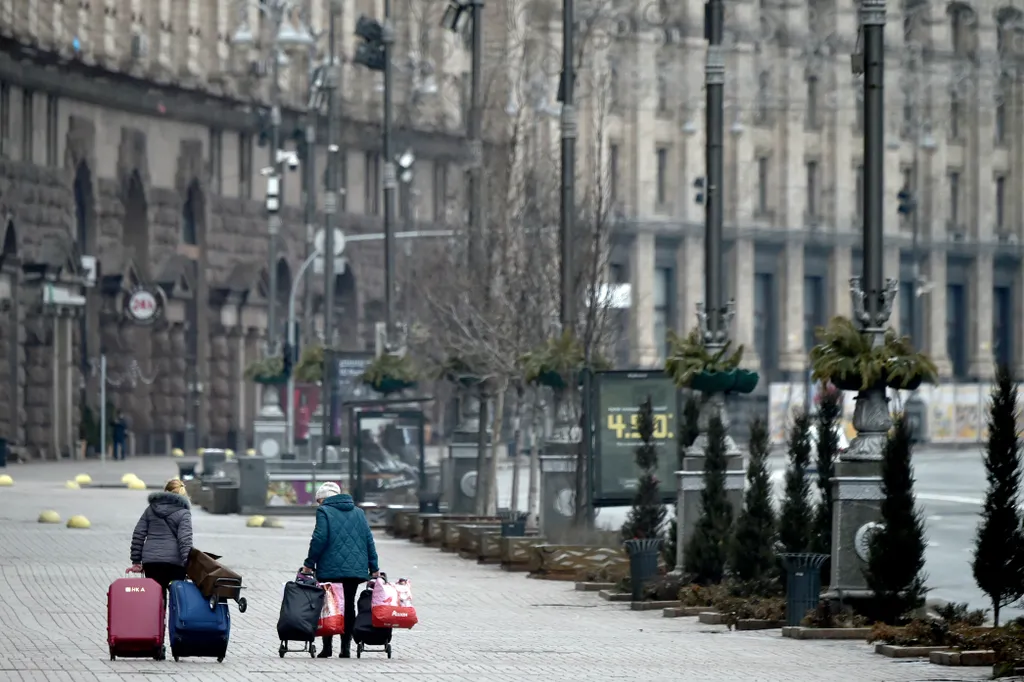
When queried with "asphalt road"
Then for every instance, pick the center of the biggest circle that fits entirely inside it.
(950, 488)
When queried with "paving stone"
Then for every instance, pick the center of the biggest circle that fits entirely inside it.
(476, 622)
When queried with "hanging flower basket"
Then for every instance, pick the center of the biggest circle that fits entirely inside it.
(272, 381)
(848, 383)
(848, 357)
(713, 381)
(558, 358)
(267, 371)
(746, 381)
(390, 374)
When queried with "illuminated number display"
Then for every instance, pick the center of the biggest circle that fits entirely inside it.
(627, 428)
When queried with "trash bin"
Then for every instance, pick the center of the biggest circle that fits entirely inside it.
(803, 584)
(430, 503)
(513, 524)
(643, 563)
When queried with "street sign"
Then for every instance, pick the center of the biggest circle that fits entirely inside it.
(320, 241)
(616, 398)
(144, 305)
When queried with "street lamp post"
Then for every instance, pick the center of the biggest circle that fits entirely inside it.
(857, 482)
(286, 37)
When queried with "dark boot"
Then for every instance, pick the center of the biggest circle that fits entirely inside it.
(326, 648)
(346, 646)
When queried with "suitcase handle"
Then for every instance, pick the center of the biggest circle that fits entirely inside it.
(129, 573)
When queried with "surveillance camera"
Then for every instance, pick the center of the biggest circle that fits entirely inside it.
(293, 162)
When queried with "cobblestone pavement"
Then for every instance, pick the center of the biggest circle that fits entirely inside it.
(477, 622)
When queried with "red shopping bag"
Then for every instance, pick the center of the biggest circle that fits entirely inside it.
(332, 616)
(391, 605)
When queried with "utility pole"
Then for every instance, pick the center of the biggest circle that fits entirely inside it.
(474, 130)
(390, 182)
(568, 183)
(330, 211)
(274, 193)
(309, 169)
(714, 74)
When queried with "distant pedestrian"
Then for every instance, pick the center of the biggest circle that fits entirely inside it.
(341, 551)
(120, 435)
(162, 539)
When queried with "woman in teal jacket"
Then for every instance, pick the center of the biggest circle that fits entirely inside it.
(341, 551)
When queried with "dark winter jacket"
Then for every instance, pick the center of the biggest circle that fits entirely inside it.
(164, 532)
(342, 544)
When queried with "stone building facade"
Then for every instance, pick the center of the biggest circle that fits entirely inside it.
(793, 170)
(130, 134)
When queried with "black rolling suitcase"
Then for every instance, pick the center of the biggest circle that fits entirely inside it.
(363, 631)
(300, 614)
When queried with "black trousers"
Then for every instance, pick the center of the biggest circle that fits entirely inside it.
(164, 574)
(350, 587)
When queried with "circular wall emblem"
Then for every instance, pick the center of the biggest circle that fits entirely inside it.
(468, 484)
(269, 448)
(862, 539)
(565, 502)
(143, 306)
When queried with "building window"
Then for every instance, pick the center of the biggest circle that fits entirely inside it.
(761, 115)
(614, 84)
(858, 210)
(27, 133)
(216, 161)
(908, 184)
(814, 309)
(908, 118)
(763, 171)
(955, 114)
(5, 118)
(954, 198)
(371, 201)
(245, 166)
(1000, 202)
(907, 310)
(440, 191)
(764, 323)
(999, 124)
(663, 285)
(52, 118)
(956, 329)
(189, 233)
(812, 191)
(662, 89)
(812, 103)
(613, 172)
(661, 181)
(1002, 325)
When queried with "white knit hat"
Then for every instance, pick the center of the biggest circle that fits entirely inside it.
(328, 489)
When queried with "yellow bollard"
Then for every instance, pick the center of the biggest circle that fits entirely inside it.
(200, 451)
(255, 522)
(79, 521)
(128, 478)
(49, 516)
(83, 479)
(229, 454)
(71, 485)
(251, 452)
(6, 481)
(177, 452)
(272, 522)
(136, 484)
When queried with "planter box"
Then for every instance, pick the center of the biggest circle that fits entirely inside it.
(490, 547)
(755, 624)
(516, 552)
(471, 538)
(651, 605)
(594, 587)
(400, 521)
(683, 611)
(974, 659)
(614, 595)
(894, 651)
(713, 618)
(800, 632)
(427, 527)
(565, 562)
(450, 529)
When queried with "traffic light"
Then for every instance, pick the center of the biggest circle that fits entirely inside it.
(371, 52)
(698, 185)
(288, 354)
(907, 202)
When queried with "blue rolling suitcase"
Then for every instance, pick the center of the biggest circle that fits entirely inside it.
(195, 628)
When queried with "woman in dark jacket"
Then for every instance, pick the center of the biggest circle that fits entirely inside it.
(341, 551)
(162, 539)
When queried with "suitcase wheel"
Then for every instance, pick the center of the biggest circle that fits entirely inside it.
(242, 605)
(160, 654)
(387, 648)
(359, 650)
(112, 656)
(282, 649)
(213, 602)
(312, 650)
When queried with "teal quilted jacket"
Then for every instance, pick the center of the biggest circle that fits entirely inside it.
(342, 544)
